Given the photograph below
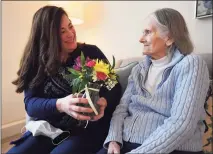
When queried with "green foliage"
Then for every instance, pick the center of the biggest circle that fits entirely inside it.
(113, 63)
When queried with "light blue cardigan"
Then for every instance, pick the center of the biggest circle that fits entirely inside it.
(171, 118)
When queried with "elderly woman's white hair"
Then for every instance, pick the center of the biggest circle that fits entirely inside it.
(170, 23)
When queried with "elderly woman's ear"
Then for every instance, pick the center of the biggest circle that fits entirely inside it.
(169, 41)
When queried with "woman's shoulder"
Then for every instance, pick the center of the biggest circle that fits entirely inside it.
(85, 46)
(191, 63)
(191, 59)
(91, 51)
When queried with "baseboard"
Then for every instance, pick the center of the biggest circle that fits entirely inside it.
(12, 129)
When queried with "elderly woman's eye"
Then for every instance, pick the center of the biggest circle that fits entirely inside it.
(146, 32)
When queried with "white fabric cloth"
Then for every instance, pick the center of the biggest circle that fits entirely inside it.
(42, 127)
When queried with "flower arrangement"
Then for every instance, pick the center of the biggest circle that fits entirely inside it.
(86, 72)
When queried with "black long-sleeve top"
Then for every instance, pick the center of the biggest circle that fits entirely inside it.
(41, 103)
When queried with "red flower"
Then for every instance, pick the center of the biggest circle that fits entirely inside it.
(101, 76)
(90, 63)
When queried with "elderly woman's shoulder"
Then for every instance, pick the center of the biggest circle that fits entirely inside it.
(191, 59)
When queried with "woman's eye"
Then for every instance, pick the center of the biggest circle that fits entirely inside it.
(71, 26)
(146, 32)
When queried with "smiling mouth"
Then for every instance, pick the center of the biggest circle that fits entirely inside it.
(70, 41)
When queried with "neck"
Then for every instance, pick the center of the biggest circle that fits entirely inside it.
(162, 54)
(162, 61)
(159, 56)
(64, 56)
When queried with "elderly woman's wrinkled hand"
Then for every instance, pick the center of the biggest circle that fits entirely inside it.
(69, 105)
(114, 148)
(102, 102)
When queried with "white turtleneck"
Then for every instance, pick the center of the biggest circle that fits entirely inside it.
(155, 73)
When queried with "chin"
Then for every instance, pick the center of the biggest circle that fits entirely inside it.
(72, 47)
(145, 52)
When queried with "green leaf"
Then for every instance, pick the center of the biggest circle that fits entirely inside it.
(88, 74)
(82, 85)
(82, 59)
(74, 74)
(75, 85)
(113, 62)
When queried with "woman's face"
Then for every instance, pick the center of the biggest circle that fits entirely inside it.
(154, 45)
(68, 35)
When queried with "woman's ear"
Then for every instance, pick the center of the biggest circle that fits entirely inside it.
(169, 42)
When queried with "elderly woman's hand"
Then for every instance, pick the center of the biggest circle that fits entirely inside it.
(103, 104)
(69, 105)
(114, 148)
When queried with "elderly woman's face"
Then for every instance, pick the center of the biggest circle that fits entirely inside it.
(154, 45)
(68, 35)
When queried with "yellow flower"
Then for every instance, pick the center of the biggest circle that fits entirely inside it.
(113, 76)
(100, 66)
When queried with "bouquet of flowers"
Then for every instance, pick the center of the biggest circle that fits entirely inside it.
(89, 75)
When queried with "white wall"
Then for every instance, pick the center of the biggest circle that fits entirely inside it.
(116, 26)
(16, 24)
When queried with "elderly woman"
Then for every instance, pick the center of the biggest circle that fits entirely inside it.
(162, 108)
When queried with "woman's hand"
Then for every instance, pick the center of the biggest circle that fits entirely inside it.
(113, 148)
(68, 105)
(103, 104)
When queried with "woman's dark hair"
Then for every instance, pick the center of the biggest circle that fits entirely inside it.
(41, 53)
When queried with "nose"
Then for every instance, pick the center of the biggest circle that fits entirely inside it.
(142, 39)
(70, 33)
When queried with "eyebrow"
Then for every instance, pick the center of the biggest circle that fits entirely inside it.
(147, 30)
